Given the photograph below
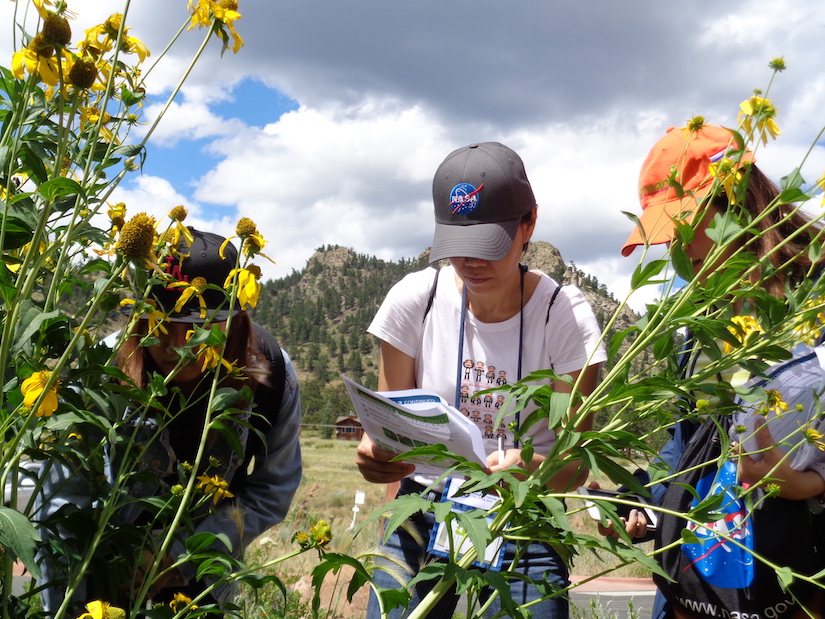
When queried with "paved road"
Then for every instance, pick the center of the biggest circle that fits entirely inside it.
(613, 598)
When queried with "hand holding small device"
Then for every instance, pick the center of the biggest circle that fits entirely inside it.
(640, 519)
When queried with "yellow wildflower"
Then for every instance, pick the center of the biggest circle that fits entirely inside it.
(758, 115)
(178, 213)
(302, 539)
(224, 12)
(777, 64)
(133, 45)
(729, 174)
(321, 533)
(774, 402)
(90, 117)
(744, 328)
(252, 241)
(33, 386)
(248, 288)
(217, 486)
(153, 315)
(102, 610)
(814, 437)
(180, 601)
(37, 58)
(810, 330)
(40, 6)
(210, 356)
(191, 289)
(177, 230)
(117, 215)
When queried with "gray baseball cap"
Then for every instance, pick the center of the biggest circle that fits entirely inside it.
(480, 194)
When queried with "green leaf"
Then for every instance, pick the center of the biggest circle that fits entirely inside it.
(477, 529)
(497, 581)
(785, 576)
(402, 508)
(58, 188)
(210, 337)
(18, 233)
(7, 287)
(127, 150)
(688, 537)
(789, 196)
(332, 562)
(18, 536)
(682, 264)
(225, 397)
(815, 252)
(723, 228)
(200, 542)
(645, 272)
(663, 346)
(559, 405)
(792, 180)
(31, 319)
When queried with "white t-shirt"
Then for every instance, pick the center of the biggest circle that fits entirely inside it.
(565, 343)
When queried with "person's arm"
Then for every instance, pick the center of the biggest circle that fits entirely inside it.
(794, 485)
(396, 371)
(573, 474)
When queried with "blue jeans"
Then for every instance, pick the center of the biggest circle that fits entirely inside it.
(538, 562)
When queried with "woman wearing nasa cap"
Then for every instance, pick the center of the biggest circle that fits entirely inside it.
(481, 321)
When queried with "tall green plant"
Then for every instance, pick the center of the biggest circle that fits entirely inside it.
(66, 113)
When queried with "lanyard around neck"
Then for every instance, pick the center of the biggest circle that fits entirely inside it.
(459, 364)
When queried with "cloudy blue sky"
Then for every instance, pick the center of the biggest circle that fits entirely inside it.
(327, 126)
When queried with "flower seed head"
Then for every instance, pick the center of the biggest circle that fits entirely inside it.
(696, 123)
(113, 612)
(56, 30)
(246, 227)
(199, 282)
(41, 46)
(83, 73)
(230, 5)
(137, 236)
(178, 213)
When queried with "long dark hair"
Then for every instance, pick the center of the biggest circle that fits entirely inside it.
(783, 233)
(241, 349)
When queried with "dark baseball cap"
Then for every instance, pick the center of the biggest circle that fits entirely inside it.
(200, 259)
(480, 194)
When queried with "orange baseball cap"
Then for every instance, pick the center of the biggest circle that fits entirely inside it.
(691, 153)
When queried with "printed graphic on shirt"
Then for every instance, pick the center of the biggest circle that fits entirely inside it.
(720, 562)
(483, 410)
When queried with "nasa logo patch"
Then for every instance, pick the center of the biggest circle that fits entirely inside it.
(464, 198)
